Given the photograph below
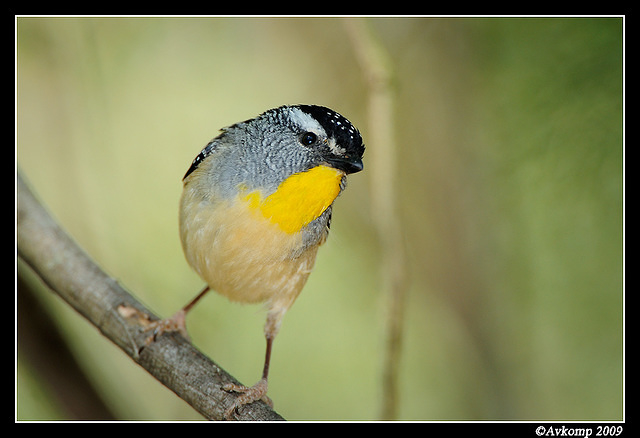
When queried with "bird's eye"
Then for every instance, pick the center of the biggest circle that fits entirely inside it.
(308, 138)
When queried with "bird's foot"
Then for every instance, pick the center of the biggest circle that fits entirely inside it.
(177, 323)
(248, 394)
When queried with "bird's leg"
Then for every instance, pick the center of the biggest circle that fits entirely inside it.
(249, 394)
(176, 323)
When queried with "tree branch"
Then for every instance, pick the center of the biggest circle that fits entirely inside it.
(71, 274)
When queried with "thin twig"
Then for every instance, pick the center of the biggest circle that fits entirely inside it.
(381, 147)
(71, 274)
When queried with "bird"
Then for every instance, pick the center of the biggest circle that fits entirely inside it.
(256, 205)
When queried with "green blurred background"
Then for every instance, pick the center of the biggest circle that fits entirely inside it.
(510, 194)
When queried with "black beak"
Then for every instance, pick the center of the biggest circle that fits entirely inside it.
(346, 164)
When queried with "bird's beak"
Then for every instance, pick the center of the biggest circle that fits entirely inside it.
(346, 164)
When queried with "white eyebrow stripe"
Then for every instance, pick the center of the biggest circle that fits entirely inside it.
(306, 121)
(334, 148)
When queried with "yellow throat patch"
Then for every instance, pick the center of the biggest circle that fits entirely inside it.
(299, 199)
